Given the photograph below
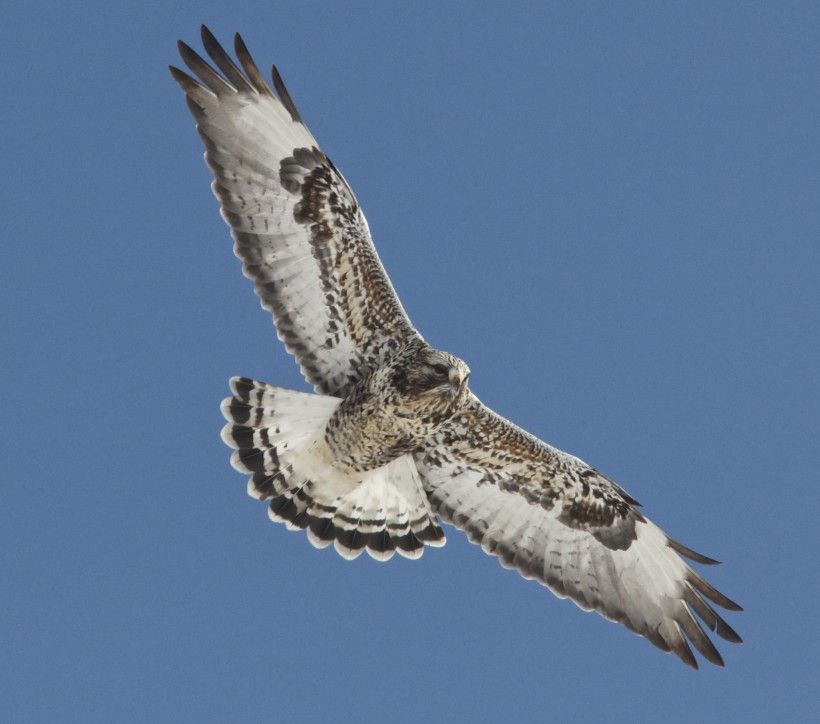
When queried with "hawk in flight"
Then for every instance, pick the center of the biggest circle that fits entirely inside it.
(394, 439)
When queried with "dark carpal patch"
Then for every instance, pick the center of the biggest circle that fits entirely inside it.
(351, 275)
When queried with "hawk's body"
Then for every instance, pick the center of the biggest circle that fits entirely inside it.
(395, 437)
(398, 407)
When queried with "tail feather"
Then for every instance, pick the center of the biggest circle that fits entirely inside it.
(278, 439)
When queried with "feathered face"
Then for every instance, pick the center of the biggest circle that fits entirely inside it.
(435, 376)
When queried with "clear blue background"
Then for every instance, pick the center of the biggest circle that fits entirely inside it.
(610, 210)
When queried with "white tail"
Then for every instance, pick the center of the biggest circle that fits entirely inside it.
(278, 438)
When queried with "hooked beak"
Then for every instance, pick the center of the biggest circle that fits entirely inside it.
(459, 379)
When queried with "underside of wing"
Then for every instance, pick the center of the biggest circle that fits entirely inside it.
(298, 228)
(556, 520)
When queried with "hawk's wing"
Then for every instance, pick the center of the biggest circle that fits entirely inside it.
(298, 228)
(555, 519)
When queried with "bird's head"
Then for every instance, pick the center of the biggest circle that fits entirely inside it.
(433, 375)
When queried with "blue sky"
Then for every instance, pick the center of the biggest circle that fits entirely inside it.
(609, 210)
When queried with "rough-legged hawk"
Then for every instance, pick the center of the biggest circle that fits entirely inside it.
(394, 438)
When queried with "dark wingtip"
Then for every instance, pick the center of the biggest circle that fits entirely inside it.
(712, 655)
(689, 553)
(208, 38)
(192, 87)
(284, 96)
(256, 79)
(224, 62)
(695, 633)
(709, 616)
(726, 632)
(729, 634)
(684, 653)
(240, 48)
(712, 593)
(185, 49)
(730, 605)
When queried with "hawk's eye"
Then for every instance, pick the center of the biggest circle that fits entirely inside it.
(441, 370)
